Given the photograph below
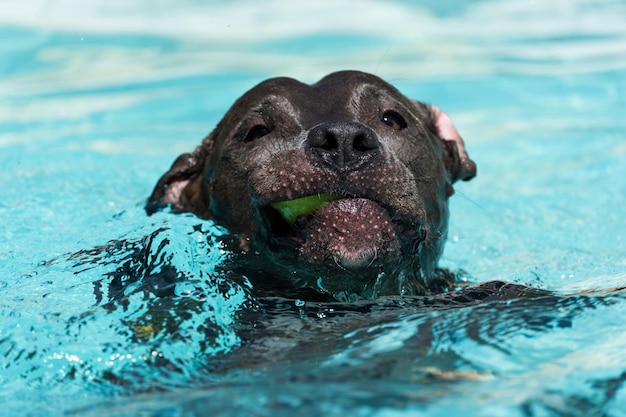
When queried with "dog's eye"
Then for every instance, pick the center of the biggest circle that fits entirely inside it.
(394, 120)
(256, 132)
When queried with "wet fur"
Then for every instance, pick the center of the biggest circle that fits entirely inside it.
(387, 233)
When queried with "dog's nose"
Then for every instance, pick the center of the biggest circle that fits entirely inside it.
(343, 144)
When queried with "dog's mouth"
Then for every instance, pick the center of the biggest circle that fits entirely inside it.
(350, 231)
(286, 220)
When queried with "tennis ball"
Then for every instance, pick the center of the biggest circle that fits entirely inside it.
(292, 209)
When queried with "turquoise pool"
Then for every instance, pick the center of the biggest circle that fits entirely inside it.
(96, 100)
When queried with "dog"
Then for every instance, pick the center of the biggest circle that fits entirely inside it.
(341, 186)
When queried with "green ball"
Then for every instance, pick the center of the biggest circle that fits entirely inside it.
(292, 209)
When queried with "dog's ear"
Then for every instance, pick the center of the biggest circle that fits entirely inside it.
(455, 157)
(182, 186)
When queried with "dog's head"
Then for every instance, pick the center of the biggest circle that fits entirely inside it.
(342, 185)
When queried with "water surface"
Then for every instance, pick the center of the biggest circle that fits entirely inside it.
(98, 98)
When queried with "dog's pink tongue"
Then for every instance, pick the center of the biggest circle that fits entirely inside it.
(351, 232)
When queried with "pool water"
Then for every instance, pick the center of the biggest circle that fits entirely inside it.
(98, 98)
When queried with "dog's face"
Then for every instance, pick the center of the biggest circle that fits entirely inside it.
(342, 185)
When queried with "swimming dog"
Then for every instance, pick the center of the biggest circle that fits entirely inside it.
(341, 186)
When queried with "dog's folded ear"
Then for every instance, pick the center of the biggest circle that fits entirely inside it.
(181, 186)
(458, 163)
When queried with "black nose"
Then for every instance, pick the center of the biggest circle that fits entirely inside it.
(343, 144)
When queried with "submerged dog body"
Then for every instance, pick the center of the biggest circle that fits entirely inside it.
(341, 186)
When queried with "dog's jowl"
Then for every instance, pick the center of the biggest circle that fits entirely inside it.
(341, 186)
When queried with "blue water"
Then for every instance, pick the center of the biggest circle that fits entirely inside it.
(98, 98)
